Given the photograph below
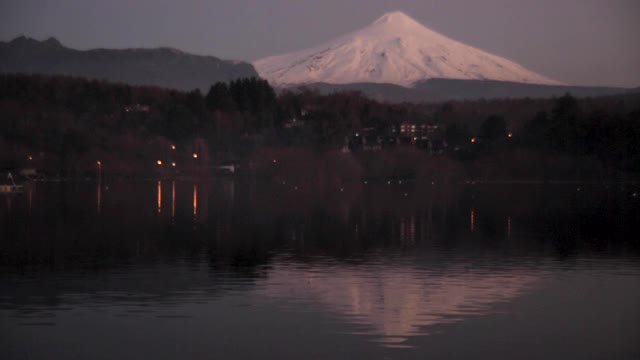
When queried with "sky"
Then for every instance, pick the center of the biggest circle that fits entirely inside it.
(579, 42)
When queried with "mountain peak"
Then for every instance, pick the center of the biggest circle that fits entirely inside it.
(392, 16)
(27, 41)
(395, 17)
(20, 40)
(394, 49)
(394, 23)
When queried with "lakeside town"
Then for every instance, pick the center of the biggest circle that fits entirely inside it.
(68, 128)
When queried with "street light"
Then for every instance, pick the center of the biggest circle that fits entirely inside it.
(173, 164)
(195, 155)
(159, 162)
(173, 147)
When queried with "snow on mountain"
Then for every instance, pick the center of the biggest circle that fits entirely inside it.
(394, 49)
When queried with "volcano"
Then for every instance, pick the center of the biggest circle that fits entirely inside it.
(395, 49)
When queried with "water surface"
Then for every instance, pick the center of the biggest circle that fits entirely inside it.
(245, 269)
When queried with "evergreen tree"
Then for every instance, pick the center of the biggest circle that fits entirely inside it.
(493, 129)
(219, 98)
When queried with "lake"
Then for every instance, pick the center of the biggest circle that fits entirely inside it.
(245, 269)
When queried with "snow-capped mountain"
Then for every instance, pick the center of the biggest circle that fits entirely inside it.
(394, 49)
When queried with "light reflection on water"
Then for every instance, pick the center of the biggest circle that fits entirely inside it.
(195, 201)
(159, 201)
(173, 201)
(393, 267)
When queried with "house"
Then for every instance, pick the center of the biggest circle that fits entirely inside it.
(412, 129)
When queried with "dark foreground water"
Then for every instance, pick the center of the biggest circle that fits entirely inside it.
(244, 270)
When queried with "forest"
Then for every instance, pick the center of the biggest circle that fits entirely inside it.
(62, 126)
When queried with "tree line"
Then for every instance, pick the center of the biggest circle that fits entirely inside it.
(70, 118)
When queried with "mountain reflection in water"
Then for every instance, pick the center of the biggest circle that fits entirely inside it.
(412, 270)
(397, 300)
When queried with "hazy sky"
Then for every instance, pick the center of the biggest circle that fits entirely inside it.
(584, 42)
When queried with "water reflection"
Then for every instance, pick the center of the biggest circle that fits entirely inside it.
(472, 220)
(397, 301)
(98, 196)
(173, 201)
(30, 197)
(230, 189)
(408, 230)
(8, 201)
(390, 268)
(159, 196)
(343, 223)
(195, 201)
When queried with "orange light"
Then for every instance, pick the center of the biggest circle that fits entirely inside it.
(195, 200)
(472, 225)
(173, 164)
(173, 147)
(159, 162)
(510, 135)
(195, 155)
(159, 200)
(473, 140)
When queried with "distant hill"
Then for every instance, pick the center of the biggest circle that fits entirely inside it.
(437, 90)
(490, 89)
(163, 67)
